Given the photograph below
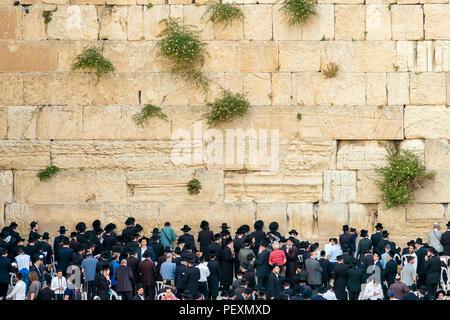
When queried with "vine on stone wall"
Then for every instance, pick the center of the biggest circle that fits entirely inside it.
(49, 172)
(226, 108)
(92, 59)
(194, 186)
(148, 112)
(224, 13)
(298, 11)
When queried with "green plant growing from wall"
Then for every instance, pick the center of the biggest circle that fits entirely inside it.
(194, 186)
(182, 46)
(149, 5)
(47, 15)
(92, 59)
(330, 70)
(298, 11)
(224, 13)
(299, 116)
(48, 173)
(147, 112)
(226, 108)
(401, 177)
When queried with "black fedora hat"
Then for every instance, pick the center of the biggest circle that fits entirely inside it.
(96, 224)
(130, 221)
(293, 231)
(245, 228)
(110, 227)
(45, 236)
(385, 233)
(62, 229)
(273, 226)
(212, 253)
(13, 225)
(186, 228)
(345, 227)
(259, 224)
(378, 226)
(448, 224)
(224, 226)
(216, 237)
(228, 241)
(204, 224)
(73, 234)
(81, 227)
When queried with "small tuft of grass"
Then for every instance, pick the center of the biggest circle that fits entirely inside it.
(48, 173)
(224, 13)
(226, 108)
(299, 116)
(194, 186)
(149, 5)
(330, 70)
(147, 112)
(298, 11)
(91, 59)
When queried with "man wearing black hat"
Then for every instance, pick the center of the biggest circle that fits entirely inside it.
(421, 252)
(34, 225)
(238, 244)
(258, 234)
(262, 264)
(390, 272)
(445, 240)
(245, 254)
(5, 269)
(129, 229)
(38, 266)
(46, 248)
(140, 292)
(73, 240)
(81, 232)
(31, 248)
(377, 237)
(156, 245)
(102, 283)
(433, 271)
(345, 239)
(147, 273)
(291, 252)
(226, 267)
(314, 269)
(205, 237)
(355, 279)
(64, 256)
(364, 245)
(273, 233)
(214, 275)
(188, 238)
(192, 275)
(57, 242)
(216, 247)
(273, 283)
(340, 278)
(109, 237)
(385, 242)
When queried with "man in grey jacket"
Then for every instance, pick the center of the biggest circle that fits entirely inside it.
(314, 269)
(434, 238)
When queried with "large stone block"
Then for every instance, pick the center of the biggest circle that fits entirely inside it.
(12, 89)
(361, 155)
(176, 91)
(378, 22)
(282, 88)
(320, 25)
(374, 56)
(257, 22)
(428, 88)
(11, 27)
(273, 212)
(281, 28)
(376, 89)
(427, 122)
(301, 218)
(437, 23)
(234, 30)
(436, 190)
(74, 23)
(45, 89)
(437, 155)
(222, 57)
(275, 187)
(309, 154)
(22, 122)
(361, 216)
(339, 186)
(344, 89)
(24, 154)
(407, 22)
(135, 23)
(33, 24)
(416, 146)
(168, 186)
(393, 220)
(152, 18)
(368, 191)
(420, 219)
(258, 56)
(258, 87)
(196, 16)
(350, 22)
(299, 56)
(113, 23)
(233, 213)
(6, 186)
(3, 123)
(71, 187)
(115, 89)
(60, 122)
(27, 57)
(331, 218)
(398, 88)
(176, 213)
(406, 55)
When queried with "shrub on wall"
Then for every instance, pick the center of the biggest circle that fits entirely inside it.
(194, 186)
(48, 173)
(298, 11)
(401, 177)
(224, 13)
(330, 70)
(182, 46)
(226, 108)
(148, 112)
(91, 59)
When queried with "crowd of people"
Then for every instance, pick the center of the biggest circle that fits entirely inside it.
(251, 265)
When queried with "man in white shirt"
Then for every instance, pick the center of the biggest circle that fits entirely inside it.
(335, 250)
(373, 291)
(59, 285)
(18, 292)
(329, 295)
(23, 262)
(204, 274)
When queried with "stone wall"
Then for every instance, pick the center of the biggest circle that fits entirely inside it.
(393, 87)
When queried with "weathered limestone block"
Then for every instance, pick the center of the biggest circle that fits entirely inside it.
(60, 122)
(11, 27)
(135, 23)
(320, 25)
(331, 217)
(407, 22)
(181, 213)
(178, 92)
(344, 89)
(420, 219)
(233, 213)
(3, 123)
(6, 186)
(306, 186)
(196, 16)
(27, 57)
(361, 155)
(78, 88)
(424, 59)
(74, 23)
(71, 187)
(350, 22)
(378, 22)
(273, 211)
(436, 190)
(340, 52)
(259, 88)
(339, 186)
(299, 56)
(176, 11)
(406, 55)
(376, 89)
(428, 88)
(152, 18)
(368, 191)
(24, 154)
(437, 155)
(309, 154)
(222, 57)
(343, 1)
(361, 216)
(427, 122)
(416, 146)
(168, 186)
(22, 122)
(113, 23)
(257, 22)
(115, 89)
(33, 24)
(45, 89)
(281, 28)
(282, 88)
(393, 220)
(12, 89)
(437, 23)
(257, 56)
(398, 88)
(374, 56)
(301, 218)
(234, 30)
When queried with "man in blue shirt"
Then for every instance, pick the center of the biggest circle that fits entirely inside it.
(168, 269)
(89, 266)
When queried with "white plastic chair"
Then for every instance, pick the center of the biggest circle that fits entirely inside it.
(115, 295)
(159, 286)
(442, 283)
(160, 296)
(12, 276)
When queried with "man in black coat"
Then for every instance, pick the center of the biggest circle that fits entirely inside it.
(180, 275)
(385, 242)
(340, 278)
(5, 269)
(376, 237)
(433, 271)
(291, 252)
(421, 252)
(216, 247)
(205, 237)
(262, 264)
(214, 276)
(192, 275)
(258, 234)
(355, 279)
(102, 283)
(326, 268)
(390, 271)
(345, 239)
(273, 288)
(109, 237)
(188, 238)
(445, 240)
(226, 267)
(46, 248)
(364, 245)
(64, 256)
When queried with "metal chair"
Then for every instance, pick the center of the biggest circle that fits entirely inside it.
(160, 296)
